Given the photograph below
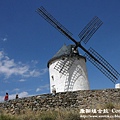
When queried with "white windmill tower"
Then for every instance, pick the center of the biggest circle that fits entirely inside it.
(67, 70)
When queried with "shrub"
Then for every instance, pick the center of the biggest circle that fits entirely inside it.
(48, 115)
(109, 106)
(72, 116)
(7, 117)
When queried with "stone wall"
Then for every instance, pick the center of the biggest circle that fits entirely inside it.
(83, 99)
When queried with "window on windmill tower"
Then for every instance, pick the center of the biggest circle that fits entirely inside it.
(63, 58)
(52, 77)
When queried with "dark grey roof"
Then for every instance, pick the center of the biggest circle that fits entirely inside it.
(65, 50)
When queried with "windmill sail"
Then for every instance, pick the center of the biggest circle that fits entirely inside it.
(102, 65)
(90, 29)
(50, 19)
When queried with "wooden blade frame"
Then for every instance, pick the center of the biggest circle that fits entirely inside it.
(50, 19)
(85, 35)
(102, 65)
(90, 29)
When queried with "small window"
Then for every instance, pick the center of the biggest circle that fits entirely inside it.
(52, 77)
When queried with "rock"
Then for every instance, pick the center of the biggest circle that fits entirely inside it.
(67, 100)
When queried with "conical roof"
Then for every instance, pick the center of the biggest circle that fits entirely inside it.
(64, 51)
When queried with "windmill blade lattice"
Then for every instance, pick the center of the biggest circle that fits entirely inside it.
(50, 19)
(102, 65)
(90, 29)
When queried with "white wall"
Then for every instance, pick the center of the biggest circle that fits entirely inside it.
(117, 85)
(76, 78)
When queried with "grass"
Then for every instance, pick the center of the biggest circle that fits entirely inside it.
(45, 115)
(48, 115)
(58, 114)
(109, 105)
(7, 117)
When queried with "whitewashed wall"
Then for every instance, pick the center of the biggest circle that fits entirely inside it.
(76, 78)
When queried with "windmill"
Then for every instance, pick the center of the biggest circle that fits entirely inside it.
(63, 65)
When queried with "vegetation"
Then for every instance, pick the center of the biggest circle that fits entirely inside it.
(109, 105)
(46, 115)
(7, 117)
(58, 114)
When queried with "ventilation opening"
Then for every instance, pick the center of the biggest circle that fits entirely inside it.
(52, 77)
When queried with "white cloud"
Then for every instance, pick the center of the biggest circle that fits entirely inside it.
(22, 80)
(4, 39)
(1, 98)
(43, 71)
(42, 88)
(34, 73)
(15, 90)
(23, 94)
(38, 89)
(12, 96)
(34, 62)
(9, 67)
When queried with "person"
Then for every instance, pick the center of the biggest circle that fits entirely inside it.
(6, 97)
(17, 96)
(53, 90)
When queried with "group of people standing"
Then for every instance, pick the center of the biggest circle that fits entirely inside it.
(6, 98)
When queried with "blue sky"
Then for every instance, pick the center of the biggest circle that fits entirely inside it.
(27, 41)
